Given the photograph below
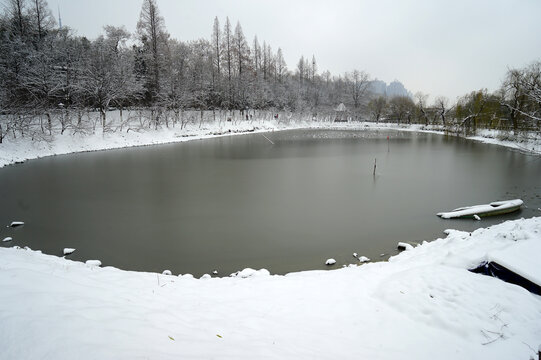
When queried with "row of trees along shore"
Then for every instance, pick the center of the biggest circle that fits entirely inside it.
(52, 80)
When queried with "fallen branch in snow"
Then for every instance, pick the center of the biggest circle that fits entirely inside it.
(500, 335)
(531, 348)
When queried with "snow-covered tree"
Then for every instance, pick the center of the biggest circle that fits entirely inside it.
(41, 18)
(153, 36)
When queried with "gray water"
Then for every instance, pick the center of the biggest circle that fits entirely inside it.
(241, 201)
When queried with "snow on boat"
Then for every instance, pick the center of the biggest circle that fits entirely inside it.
(494, 208)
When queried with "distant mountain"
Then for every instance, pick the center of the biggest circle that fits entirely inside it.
(394, 89)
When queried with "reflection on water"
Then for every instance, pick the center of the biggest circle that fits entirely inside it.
(242, 201)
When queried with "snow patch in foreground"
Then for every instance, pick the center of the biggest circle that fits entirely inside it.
(423, 303)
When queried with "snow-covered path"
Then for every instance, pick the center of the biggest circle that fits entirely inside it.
(422, 304)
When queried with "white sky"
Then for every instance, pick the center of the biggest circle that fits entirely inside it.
(438, 47)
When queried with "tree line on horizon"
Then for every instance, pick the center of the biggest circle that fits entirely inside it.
(48, 71)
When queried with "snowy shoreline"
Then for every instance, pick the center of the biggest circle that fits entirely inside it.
(422, 303)
(23, 149)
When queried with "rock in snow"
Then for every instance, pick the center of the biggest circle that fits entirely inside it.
(93, 262)
(68, 251)
(7, 239)
(330, 262)
(404, 246)
(167, 272)
(363, 259)
(248, 272)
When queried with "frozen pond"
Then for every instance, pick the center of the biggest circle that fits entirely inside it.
(241, 201)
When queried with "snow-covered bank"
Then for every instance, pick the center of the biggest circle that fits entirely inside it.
(422, 304)
(24, 148)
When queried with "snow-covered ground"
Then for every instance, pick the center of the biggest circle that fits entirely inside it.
(422, 304)
(24, 148)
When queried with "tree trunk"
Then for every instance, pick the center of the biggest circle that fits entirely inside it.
(103, 119)
(49, 123)
(121, 118)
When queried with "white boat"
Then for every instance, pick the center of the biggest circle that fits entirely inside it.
(494, 208)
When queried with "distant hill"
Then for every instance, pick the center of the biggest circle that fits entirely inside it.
(394, 89)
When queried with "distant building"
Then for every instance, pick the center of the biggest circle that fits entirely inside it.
(341, 113)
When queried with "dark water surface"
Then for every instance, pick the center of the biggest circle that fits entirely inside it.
(240, 201)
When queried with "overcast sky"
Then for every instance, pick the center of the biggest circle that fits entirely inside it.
(438, 47)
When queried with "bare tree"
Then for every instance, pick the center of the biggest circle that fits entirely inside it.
(242, 55)
(514, 95)
(216, 44)
(313, 69)
(199, 64)
(301, 70)
(178, 93)
(531, 87)
(358, 82)
(108, 77)
(421, 105)
(42, 18)
(441, 103)
(377, 107)
(266, 60)
(470, 108)
(227, 45)
(401, 107)
(256, 51)
(16, 10)
(281, 66)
